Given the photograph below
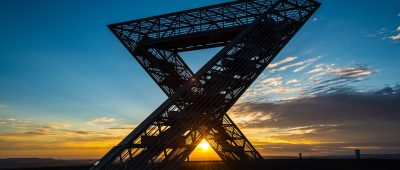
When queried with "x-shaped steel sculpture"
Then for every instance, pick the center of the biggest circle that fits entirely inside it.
(253, 33)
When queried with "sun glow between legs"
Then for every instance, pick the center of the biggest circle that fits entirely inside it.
(204, 145)
(204, 152)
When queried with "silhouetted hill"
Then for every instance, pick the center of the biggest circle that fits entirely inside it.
(270, 164)
(364, 156)
(41, 162)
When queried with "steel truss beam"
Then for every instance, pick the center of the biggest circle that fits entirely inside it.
(252, 31)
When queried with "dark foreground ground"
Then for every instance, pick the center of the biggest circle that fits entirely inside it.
(280, 164)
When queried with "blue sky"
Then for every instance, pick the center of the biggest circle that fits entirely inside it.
(60, 65)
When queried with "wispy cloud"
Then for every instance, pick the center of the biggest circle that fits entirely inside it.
(318, 68)
(50, 139)
(332, 77)
(395, 37)
(292, 81)
(382, 32)
(96, 121)
(8, 119)
(289, 66)
(250, 117)
(340, 72)
(385, 33)
(310, 78)
(302, 65)
(285, 60)
(12, 124)
(360, 71)
(123, 127)
(273, 81)
(299, 69)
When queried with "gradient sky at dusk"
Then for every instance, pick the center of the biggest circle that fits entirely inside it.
(69, 89)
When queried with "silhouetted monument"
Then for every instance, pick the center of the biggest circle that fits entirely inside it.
(252, 32)
(357, 152)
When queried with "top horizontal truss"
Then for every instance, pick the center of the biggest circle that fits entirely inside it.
(230, 15)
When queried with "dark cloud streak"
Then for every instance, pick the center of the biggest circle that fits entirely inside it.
(355, 119)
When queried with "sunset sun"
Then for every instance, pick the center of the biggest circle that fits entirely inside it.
(204, 145)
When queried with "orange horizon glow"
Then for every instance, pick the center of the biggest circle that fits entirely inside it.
(92, 141)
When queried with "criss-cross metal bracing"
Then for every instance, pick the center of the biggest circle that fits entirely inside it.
(252, 31)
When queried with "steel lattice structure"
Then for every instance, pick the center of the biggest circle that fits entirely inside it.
(253, 33)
